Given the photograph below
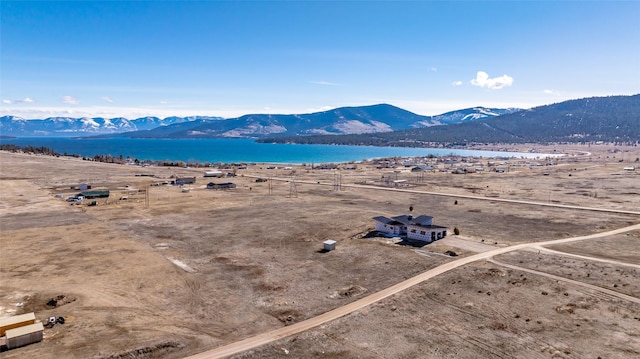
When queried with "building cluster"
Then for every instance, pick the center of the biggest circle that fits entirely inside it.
(457, 165)
(20, 330)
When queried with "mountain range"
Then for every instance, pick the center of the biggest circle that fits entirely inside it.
(608, 119)
(611, 119)
(84, 126)
(345, 120)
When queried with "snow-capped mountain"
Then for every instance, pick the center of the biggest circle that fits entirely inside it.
(85, 126)
(344, 120)
(467, 115)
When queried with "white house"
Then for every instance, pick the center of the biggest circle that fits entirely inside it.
(419, 228)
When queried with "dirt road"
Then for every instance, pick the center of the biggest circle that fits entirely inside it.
(268, 337)
(516, 201)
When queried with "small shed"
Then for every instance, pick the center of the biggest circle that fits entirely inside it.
(94, 194)
(218, 174)
(16, 321)
(184, 180)
(25, 335)
(219, 186)
(329, 245)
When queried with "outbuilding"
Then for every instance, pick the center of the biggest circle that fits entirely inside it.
(218, 174)
(329, 245)
(184, 180)
(16, 321)
(220, 186)
(94, 194)
(25, 335)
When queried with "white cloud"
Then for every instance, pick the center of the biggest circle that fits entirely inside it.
(482, 80)
(457, 83)
(555, 92)
(24, 100)
(433, 69)
(324, 83)
(70, 100)
(106, 99)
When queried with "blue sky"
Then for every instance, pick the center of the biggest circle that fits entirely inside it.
(229, 58)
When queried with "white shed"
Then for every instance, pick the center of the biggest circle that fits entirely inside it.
(329, 245)
(25, 335)
(16, 321)
(218, 174)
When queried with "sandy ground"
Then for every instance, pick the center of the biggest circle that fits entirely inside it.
(166, 274)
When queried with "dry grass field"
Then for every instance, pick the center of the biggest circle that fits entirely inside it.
(167, 274)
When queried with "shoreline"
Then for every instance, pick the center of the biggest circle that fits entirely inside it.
(230, 151)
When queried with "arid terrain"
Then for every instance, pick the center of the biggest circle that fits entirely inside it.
(170, 272)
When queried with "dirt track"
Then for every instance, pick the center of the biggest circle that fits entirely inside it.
(277, 334)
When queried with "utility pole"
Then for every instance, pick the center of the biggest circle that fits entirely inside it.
(293, 190)
(337, 181)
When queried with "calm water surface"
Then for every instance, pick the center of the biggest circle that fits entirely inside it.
(237, 150)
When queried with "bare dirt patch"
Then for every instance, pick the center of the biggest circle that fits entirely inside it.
(476, 311)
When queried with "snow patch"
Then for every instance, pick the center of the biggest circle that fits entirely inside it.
(182, 265)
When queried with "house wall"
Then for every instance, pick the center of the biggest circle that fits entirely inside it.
(24, 335)
(393, 229)
(426, 234)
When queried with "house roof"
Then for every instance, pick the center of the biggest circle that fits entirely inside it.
(408, 219)
(429, 226)
(405, 219)
(95, 194)
(17, 319)
(385, 220)
(26, 329)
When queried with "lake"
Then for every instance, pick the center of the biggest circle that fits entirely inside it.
(238, 150)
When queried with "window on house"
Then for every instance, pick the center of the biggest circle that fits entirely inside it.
(413, 231)
(423, 233)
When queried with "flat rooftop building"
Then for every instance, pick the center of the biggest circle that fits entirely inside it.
(16, 321)
(25, 335)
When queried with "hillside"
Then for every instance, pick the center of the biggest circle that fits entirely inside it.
(345, 120)
(611, 119)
